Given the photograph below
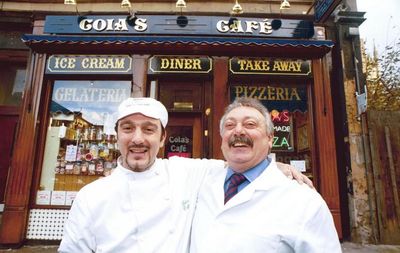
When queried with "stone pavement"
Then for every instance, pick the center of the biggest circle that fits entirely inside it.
(347, 247)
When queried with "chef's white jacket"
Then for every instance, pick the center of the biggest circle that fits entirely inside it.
(271, 214)
(143, 212)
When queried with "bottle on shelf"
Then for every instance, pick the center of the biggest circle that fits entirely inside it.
(77, 168)
(92, 168)
(69, 167)
(100, 167)
(85, 168)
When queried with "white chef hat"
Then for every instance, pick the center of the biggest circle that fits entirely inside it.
(144, 105)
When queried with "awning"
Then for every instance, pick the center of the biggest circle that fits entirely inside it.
(172, 44)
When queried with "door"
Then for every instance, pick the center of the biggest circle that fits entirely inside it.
(185, 104)
(184, 136)
(8, 125)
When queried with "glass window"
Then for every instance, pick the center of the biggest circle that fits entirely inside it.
(289, 108)
(81, 141)
(12, 83)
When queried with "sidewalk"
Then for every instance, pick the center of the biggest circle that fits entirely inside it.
(347, 247)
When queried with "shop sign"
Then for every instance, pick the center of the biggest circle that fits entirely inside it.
(180, 64)
(324, 8)
(283, 134)
(179, 141)
(173, 25)
(89, 64)
(267, 66)
(97, 101)
(280, 98)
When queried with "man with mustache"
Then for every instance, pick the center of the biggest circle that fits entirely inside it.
(251, 207)
(146, 204)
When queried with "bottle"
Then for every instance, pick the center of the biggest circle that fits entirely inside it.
(85, 135)
(99, 133)
(85, 168)
(69, 167)
(62, 166)
(94, 150)
(77, 168)
(92, 168)
(99, 167)
(92, 134)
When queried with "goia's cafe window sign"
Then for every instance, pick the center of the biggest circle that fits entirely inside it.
(281, 101)
(179, 141)
(89, 64)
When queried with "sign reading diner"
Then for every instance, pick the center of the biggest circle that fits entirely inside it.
(180, 64)
(266, 66)
(89, 64)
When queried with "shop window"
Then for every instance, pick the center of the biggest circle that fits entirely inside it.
(289, 106)
(12, 84)
(80, 143)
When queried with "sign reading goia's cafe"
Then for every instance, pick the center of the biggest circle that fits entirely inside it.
(170, 24)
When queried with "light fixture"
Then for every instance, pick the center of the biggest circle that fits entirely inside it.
(70, 2)
(125, 4)
(180, 4)
(182, 21)
(233, 23)
(237, 9)
(285, 5)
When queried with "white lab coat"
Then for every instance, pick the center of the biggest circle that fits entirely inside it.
(271, 214)
(144, 212)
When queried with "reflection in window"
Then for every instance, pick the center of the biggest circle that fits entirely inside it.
(12, 84)
(81, 140)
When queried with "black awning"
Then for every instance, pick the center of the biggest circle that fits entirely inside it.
(217, 45)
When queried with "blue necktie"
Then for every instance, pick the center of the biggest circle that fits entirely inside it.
(235, 180)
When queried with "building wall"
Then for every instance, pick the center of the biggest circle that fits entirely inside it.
(358, 174)
(22, 197)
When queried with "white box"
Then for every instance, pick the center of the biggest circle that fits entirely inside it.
(57, 198)
(300, 165)
(43, 197)
(70, 197)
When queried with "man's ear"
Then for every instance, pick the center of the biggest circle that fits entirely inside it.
(270, 141)
(162, 139)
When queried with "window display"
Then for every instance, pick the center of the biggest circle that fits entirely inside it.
(289, 108)
(81, 141)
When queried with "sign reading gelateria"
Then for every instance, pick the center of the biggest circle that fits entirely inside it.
(89, 64)
(180, 64)
(266, 66)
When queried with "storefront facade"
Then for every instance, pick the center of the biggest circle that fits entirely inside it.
(81, 68)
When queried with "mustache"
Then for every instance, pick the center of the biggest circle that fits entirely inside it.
(240, 139)
(137, 146)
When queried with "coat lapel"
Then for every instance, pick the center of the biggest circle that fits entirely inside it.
(271, 177)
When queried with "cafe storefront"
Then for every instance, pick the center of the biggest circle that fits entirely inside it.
(81, 68)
